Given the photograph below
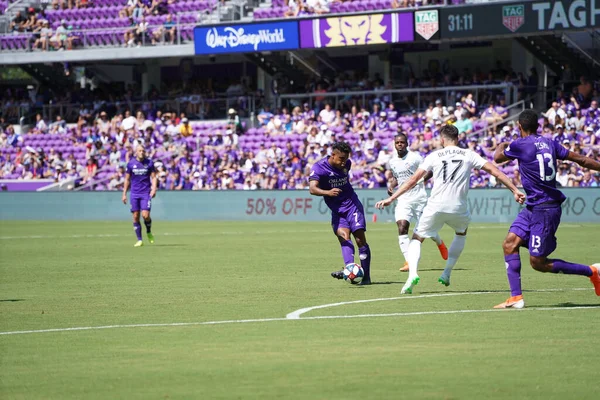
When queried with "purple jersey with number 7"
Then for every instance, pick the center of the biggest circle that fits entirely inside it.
(329, 178)
(537, 157)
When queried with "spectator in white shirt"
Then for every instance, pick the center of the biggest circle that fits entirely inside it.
(327, 114)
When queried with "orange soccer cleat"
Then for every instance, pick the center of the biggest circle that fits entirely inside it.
(404, 268)
(595, 278)
(512, 302)
(443, 251)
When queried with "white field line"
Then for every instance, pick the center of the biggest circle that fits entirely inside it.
(226, 233)
(259, 320)
(296, 314)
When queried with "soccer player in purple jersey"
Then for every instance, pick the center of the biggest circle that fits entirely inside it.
(329, 178)
(536, 224)
(141, 176)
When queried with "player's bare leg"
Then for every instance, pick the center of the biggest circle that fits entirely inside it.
(556, 266)
(414, 255)
(364, 253)
(403, 241)
(343, 236)
(456, 249)
(137, 227)
(148, 224)
(512, 261)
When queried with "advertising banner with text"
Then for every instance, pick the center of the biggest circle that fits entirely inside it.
(487, 206)
(496, 19)
(246, 38)
(356, 30)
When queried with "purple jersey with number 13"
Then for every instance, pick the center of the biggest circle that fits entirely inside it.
(537, 157)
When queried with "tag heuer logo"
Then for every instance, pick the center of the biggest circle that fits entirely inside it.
(427, 23)
(513, 17)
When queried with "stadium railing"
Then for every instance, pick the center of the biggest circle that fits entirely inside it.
(513, 113)
(416, 98)
(218, 106)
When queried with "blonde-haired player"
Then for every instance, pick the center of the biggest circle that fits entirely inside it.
(411, 204)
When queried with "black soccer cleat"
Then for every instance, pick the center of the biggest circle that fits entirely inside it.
(338, 274)
(364, 282)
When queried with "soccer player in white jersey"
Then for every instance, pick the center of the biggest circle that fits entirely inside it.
(411, 204)
(447, 204)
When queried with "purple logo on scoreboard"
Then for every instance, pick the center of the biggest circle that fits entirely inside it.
(356, 30)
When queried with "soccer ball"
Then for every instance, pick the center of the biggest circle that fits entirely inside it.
(353, 273)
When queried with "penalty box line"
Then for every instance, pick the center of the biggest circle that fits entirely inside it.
(296, 317)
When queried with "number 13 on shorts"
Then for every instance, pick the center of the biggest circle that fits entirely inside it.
(535, 243)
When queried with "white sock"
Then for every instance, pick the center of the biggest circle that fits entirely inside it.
(414, 255)
(403, 241)
(437, 239)
(454, 252)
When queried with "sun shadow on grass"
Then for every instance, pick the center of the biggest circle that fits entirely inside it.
(568, 305)
(464, 291)
(10, 300)
(441, 269)
(170, 245)
(387, 283)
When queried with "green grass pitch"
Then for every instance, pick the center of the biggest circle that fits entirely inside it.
(82, 274)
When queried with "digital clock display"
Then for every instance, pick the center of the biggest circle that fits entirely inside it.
(460, 22)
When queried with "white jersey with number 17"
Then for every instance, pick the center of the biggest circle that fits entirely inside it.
(451, 168)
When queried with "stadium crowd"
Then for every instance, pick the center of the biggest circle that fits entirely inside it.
(278, 152)
(302, 8)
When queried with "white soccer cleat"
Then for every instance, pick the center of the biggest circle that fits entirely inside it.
(410, 283)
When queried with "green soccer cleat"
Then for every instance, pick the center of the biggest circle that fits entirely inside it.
(150, 237)
(410, 283)
(444, 280)
(139, 243)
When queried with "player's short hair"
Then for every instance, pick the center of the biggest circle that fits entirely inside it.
(342, 147)
(529, 121)
(449, 132)
(402, 135)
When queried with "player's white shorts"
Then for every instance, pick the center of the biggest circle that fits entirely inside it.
(408, 211)
(431, 222)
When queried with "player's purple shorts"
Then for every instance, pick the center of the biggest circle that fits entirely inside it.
(352, 218)
(537, 226)
(138, 202)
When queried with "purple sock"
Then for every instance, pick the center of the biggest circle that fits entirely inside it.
(560, 266)
(513, 272)
(137, 227)
(364, 254)
(348, 252)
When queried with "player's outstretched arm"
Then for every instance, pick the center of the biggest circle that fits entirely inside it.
(585, 162)
(493, 170)
(406, 186)
(126, 187)
(315, 190)
(499, 156)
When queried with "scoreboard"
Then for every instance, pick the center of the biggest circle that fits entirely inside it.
(520, 18)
